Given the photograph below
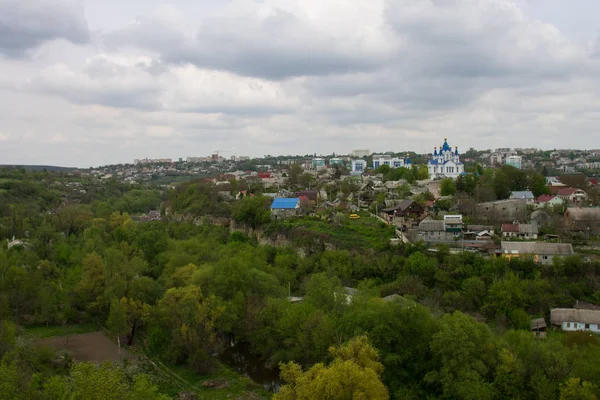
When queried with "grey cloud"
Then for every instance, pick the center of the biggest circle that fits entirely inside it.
(278, 47)
(25, 24)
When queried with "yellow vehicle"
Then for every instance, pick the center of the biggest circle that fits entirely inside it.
(354, 216)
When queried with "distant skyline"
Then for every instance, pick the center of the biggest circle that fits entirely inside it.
(87, 83)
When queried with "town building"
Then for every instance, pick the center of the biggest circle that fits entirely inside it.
(358, 167)
(392, 162)
(514, 161)
(542, 252)
(445, 163)
(336, 161)
(502, 210)
(318, 163)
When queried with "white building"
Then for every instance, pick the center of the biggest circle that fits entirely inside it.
(515, 161)
(361, 153)
(358, 167)
(392, 162)
(445, 163)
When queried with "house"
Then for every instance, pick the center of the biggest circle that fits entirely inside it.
(583, 219)
(527, 195)
(449, 229)
(479, 232)
(573, 319)
(311, 195)
(406, 209)
(538, 327)
(572, 195)
(541, 252)
(549, 200)
(285, 208)
(520, 231)
(502, 210)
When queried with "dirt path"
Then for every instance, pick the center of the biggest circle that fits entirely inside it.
(87, 347)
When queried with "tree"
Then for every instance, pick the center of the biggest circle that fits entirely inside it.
(253, 211)
(355, 373)
(574, 389)
(294, 173)
(447, 187)
(383, 169)
(465, 351)
(537, 185)
(188, 318)
(117, 320)
(152, 239)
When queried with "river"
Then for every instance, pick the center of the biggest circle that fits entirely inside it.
(238, 357)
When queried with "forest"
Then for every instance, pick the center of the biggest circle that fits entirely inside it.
(178, 289)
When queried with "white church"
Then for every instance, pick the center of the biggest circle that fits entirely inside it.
(445, 163)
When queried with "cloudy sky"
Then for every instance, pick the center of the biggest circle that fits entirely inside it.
(90, 82)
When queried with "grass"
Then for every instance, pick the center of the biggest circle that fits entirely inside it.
(238, 386)
(364, 233)
(44, 332)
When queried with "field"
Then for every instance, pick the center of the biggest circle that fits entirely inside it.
(85, 347)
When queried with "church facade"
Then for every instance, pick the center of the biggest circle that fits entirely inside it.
(445, 163)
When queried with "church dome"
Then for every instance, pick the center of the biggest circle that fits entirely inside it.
(446, 146)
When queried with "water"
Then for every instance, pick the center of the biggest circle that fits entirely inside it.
(239, 357)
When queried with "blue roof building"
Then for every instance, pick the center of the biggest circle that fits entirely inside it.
(285, 207)
(445, 163)
(285, 204)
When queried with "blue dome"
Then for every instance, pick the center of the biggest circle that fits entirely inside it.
(435, 151)
(446, 146)
(456, 152)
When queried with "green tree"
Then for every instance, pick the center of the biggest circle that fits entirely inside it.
(537, 185)
(447, 187)
(354, 373)
(465, 351)
(574, 389)
(253, 211)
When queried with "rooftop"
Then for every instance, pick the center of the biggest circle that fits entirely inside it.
(539, 248)
(280, 203)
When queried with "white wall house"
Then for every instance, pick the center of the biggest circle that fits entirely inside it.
(573, 319)
(445, 163)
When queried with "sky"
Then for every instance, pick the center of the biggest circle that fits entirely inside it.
(87, 82)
